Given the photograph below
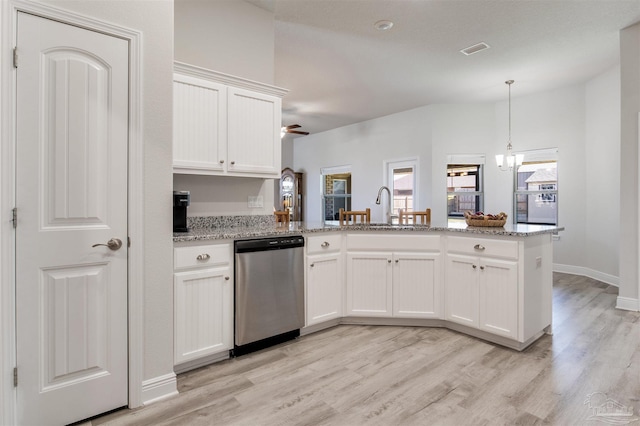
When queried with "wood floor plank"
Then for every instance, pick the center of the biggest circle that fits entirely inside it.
(354, 375)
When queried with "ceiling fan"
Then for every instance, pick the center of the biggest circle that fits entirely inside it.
(289, 129)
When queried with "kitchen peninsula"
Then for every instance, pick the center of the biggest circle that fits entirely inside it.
(494, 283)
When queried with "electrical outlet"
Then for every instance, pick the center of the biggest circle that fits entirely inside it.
(256, 202)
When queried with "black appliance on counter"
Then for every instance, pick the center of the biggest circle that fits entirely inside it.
(181, 200)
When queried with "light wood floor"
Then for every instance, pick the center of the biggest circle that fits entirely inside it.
(356, 375)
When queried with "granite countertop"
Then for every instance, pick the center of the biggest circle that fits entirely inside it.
(271, 229)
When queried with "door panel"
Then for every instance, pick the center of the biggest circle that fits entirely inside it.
(76, 115)
(71, 193)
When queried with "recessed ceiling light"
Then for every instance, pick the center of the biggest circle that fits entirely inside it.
(383, 25)
(475, 48)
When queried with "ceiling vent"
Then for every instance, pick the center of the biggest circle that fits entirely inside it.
(475, 48)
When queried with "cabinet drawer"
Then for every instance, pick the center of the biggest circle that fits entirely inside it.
(325, 243)
(406, 242)
(483, 246)
(196, 256)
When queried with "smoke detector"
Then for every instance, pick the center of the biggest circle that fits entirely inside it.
(383, 25)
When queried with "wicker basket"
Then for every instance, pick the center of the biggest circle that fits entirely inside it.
(473, 220)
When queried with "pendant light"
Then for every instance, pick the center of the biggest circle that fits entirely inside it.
(508, 161)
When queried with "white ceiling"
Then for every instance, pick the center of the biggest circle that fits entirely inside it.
(340, 70)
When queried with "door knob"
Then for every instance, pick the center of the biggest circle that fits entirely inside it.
(113, 244)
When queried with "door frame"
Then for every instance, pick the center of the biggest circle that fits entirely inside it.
(8, 17)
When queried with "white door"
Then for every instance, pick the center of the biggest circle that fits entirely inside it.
(71, 193)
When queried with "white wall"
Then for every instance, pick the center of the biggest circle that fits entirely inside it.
(545, 120)
(155, 20)
(219, 196)
(461, 129)
(230, 36)
(237, 38)
(365, 146)
(554, 119)
(629, 108)
(602, 173)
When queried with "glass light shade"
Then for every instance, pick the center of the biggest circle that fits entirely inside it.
(500, 160)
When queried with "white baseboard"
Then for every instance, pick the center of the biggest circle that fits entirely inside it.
(587, 272)
(628, 304)
(159, 388)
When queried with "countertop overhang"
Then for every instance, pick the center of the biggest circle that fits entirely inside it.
(244, 232)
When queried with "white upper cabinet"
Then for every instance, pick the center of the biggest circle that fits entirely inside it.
(199, 131)
(225, 125)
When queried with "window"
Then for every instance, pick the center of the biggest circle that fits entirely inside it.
(536, 195)
(336, 192)
(401, 181)
(464, 185)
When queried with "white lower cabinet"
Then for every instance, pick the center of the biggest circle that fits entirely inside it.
(404, 281)
(203, 301)
(417, 285)
(324, 288)
(369, 291)
(482, 292)
(324, 278)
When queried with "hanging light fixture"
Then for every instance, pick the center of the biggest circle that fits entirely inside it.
(508, 161)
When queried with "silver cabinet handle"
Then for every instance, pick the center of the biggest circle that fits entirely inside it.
(233, 162)
(397, 261)
(226, 278)
(474, 266)
(325, 244)
(482, 267)
(204, 256)
(478, 247)
(221, 161)
(113, 244)
(389, 261)
(312, 265)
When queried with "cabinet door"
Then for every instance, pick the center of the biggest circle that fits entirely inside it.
(369, 291)
(462, 290)
(199, 125)
(203, 322)
(324, 288)
(416, 285)
(498, 284)
(253, 133)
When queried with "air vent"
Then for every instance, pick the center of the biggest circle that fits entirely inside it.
(475, 48)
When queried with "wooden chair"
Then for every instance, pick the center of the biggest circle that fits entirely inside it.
(282, 217)
(425, 217)
(347, 216)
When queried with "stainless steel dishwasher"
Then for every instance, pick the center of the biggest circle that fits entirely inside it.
(269, 292)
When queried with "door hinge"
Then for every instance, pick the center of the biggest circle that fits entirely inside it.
(128, 241)
(14, 217)
(15, 377)
(15, 57)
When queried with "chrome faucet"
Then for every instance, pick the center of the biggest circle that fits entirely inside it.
(388, 202)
